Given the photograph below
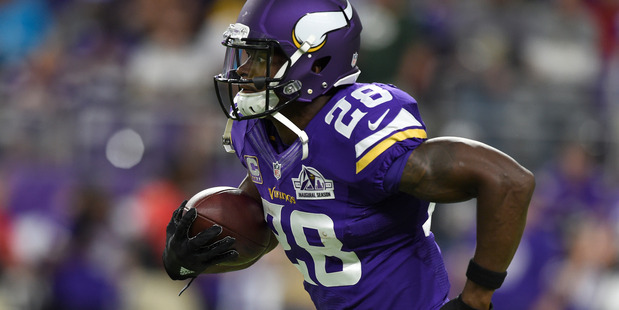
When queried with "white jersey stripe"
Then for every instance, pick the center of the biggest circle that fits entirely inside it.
(403, 120)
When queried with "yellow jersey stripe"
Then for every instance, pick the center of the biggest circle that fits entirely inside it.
(388, 142)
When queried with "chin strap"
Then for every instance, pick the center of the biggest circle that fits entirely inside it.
(226, 139)
(302, 135)
(227, 136)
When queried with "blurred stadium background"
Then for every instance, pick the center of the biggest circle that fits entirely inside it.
(108, 121)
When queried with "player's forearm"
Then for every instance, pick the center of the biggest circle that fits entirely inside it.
(501, 217)
(502, 205)
(249, 188)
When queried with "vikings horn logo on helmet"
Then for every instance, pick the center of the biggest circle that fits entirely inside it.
(318, 24)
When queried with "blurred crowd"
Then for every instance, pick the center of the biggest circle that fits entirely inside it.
(108, 120)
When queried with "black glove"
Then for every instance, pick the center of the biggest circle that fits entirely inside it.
(458, 304)
(186, 257)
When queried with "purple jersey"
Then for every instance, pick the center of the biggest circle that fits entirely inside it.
(357, 244)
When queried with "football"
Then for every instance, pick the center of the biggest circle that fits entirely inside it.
(238, 214)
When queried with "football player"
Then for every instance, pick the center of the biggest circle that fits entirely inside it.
(345, 171)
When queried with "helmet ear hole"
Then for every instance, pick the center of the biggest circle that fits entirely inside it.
(320, 64)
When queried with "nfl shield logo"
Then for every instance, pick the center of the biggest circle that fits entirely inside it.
(277, 170)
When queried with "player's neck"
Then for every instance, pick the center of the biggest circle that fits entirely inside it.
(300, 113)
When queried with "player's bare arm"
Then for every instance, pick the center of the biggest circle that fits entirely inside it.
(448, 170)
(248, 187)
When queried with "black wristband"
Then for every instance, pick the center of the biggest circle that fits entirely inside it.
(484, 277)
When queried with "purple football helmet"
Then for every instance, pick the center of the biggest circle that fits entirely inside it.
(281, 51)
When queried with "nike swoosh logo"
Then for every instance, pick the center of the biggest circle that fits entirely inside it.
(375, 124)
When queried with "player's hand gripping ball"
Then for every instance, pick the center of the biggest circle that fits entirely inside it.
(240, 217)
(218, 226)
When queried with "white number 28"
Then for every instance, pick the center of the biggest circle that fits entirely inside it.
(370, 95)
(331, 246)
